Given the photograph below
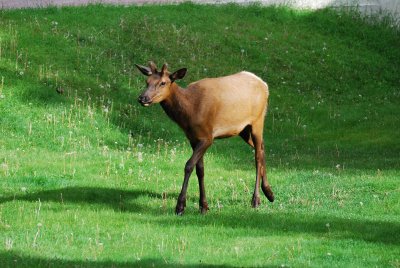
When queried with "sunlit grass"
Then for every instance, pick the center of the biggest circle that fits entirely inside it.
(90, 178)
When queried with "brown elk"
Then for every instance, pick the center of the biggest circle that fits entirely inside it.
(209, 109)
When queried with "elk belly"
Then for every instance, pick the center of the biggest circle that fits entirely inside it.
(228, 131)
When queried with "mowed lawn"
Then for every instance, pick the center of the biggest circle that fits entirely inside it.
(89, 178)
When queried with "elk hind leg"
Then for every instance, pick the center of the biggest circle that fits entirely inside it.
(257, 137)
(257, 141)
(265, 186)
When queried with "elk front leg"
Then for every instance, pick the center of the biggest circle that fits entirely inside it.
(200, 176)
(200, 148)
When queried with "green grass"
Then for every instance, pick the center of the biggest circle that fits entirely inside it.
(89, 178)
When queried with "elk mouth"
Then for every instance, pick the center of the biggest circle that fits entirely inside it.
(146, 104)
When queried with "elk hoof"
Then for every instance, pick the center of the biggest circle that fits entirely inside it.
(255, 202)
(270, 195)
(180, 208)
(204, 208)
(268, 192)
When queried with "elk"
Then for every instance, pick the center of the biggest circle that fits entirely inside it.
(209, 109)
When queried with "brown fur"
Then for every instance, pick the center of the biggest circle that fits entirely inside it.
(209, 109)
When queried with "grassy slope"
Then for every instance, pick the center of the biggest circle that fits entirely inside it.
(89, 178)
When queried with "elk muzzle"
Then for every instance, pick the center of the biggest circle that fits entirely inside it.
(144, 100)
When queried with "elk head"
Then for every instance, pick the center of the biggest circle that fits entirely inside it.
(158, 83)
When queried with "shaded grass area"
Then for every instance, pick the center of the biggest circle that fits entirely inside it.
(261, 223)
(89, 178)
(303, 238)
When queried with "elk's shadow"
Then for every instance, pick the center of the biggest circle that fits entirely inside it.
(116, 199)
(259, 222)
(19, 259)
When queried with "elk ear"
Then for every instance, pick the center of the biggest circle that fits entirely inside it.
(145, 70)
(178, 74)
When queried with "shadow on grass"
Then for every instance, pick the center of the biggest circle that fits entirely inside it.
(16, 259)
(259, 222)
(118, 200)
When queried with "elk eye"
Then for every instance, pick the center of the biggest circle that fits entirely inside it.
(162, 84)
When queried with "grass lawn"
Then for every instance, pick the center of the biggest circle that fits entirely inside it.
(89, 178)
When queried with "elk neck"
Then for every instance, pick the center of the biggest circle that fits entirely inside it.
(177, 106)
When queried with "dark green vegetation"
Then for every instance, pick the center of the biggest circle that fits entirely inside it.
(90, 178)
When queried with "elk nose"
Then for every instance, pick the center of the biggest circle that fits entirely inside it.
(143, 99)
